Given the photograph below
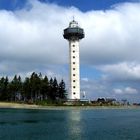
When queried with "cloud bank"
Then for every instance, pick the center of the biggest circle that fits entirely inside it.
(31, 39)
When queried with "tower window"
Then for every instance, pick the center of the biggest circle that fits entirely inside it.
(73, 62)
(73, 45)
(73, 74)
(73, 56)
(73, 80)
(74, 87)
(73, 68)
(73, 51)
(74, 93)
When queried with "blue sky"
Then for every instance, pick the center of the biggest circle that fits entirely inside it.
(31, 39)
(83, 5)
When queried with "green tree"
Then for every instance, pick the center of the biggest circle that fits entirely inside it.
(62, 90)
(4, 89)
(53, 89)
(35, 83)
(45, 87)
(50, 95)
(15, 88)
(26, 91)
(33, 88)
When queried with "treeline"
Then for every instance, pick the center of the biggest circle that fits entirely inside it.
(31, 89)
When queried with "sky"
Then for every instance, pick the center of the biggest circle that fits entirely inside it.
(31, 40)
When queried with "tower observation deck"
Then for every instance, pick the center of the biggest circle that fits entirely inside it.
(73, 31)
(73, 34)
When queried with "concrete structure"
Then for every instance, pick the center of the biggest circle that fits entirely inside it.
(73, 34)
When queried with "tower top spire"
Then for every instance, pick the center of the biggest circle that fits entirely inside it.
(73, 23)
(73, 18)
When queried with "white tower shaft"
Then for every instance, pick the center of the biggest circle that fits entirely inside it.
(74, 69)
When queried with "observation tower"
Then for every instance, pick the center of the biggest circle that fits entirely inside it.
(74, 34)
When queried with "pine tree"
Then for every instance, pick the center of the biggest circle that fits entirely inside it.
(55, 89)
(26, 91)
(62, 90)
(4, 89)
(31, 89)
(45, 87)
(50, 91)
(15, 87)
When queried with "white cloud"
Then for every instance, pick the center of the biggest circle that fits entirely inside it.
(85, 79)
(127, 90)
(31, 39)
(122, 71)
(34, 35)
(112, 35)
(118, 91)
